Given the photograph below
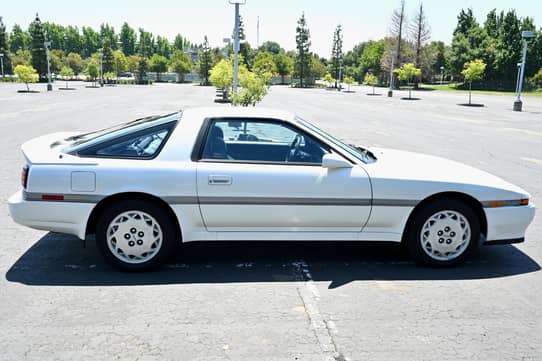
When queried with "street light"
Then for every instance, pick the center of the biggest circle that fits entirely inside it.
(340, 73)
(526, 35)
(2, 64)
(47, 45)
(236, 47)
(392, 53)
(517, 81)
(101, 55)
(441, 75)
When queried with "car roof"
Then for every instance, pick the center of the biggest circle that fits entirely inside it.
(222, 111)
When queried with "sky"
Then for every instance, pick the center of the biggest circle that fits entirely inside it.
(361, 20)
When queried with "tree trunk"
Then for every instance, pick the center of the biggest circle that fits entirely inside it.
(282, 79)
(27, 88)
(470, 89)
(373, 90)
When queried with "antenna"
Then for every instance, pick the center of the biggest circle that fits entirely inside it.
(258, 34)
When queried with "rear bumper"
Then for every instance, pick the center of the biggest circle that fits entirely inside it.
(507, 225)
(61, 217)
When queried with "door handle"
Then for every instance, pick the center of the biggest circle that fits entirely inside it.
(219, 180)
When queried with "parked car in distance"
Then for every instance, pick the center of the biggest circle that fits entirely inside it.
(235, 174)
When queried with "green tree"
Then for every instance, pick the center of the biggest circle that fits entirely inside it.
(72, 40)
(18, 39)
(336, 53)
(128, 39)
(264, 66)
(180, 43)
(271, 47)
(252, 88)
(162, 46)
(348, 80)
(142, 67)
(90, 41)
(473, 70)
(329, 79)
(108, 36)
(371, 58)
(146, 43)
(205, 61)
(26, 74)
(284, 65)
(121, 64)
(75, 62)
(537, 78)
(4, 48)
(407, 72)
(317, 68)
(158, 64)
(371, 80)
(22, 57)
(66, 73)
(39, 58)
(56, 60)
(222, 74)
(108, 59)
(92, 71)
(132, 63)
(303, 43)
(180, 63)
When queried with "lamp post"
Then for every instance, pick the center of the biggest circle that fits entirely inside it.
(517, 81)
(392, 53)
(340, 73)
(2, 64)
(47, 45)
(236, 48)
(441, 75)
(525, 35)
(101, 55)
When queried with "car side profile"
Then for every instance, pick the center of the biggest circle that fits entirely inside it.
(237, 174)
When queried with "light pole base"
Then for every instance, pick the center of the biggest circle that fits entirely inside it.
(390, 93)
(49, 87)
(518, 105)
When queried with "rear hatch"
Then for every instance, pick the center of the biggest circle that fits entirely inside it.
(48, 149)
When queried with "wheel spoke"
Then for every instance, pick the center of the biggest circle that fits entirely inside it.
(445, 235)
(134, 237)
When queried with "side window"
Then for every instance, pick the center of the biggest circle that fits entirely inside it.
(260, 141)
(144, 144)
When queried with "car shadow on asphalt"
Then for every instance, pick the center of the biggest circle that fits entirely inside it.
(60, 260)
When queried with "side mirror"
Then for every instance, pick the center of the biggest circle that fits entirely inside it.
(335, 161)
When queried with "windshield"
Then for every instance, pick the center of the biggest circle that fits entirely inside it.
(117, 130)
(359, 153)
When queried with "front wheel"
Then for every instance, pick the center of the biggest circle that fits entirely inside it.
(135, 235)
(443, 233)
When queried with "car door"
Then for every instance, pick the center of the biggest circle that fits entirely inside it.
(267, 175)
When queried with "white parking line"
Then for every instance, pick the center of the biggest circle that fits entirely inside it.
(323, 329)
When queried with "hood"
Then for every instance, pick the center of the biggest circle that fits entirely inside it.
(437, 172)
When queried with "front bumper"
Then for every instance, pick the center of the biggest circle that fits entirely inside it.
(61, 217)
(508, 224)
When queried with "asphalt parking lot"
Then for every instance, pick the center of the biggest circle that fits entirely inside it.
(257, 301)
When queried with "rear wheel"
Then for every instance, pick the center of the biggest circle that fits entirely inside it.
(443, 233)
(135, 235)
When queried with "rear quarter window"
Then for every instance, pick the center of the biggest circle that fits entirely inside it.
(143, 144)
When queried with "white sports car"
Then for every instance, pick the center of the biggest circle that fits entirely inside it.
(224, 174)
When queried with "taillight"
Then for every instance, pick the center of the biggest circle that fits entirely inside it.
(24, 176)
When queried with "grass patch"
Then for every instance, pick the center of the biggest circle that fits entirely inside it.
(453, 88)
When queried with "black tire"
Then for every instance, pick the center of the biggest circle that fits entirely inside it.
(169, 229)
(413, 235)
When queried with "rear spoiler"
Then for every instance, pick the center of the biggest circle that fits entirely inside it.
(47, 149)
